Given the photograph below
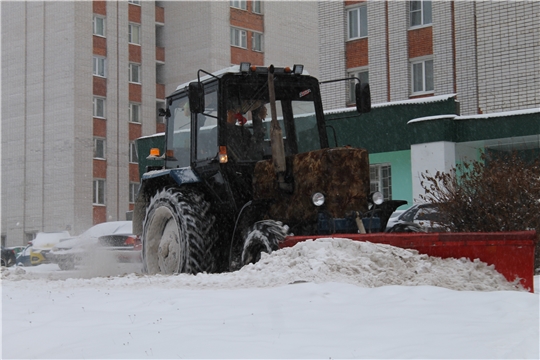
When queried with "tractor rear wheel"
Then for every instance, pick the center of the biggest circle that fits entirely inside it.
(263, 236)
(178, 233)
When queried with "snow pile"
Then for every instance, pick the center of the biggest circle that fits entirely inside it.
(324, 260)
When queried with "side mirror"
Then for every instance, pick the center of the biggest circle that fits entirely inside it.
(163, 112)
(363, 98)
(196, 97)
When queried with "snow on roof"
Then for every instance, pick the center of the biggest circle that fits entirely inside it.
(45, 240)
(425, 100)
(151, 136)
(476, 117)
(499, 114)
(435, 117)
(231, 69)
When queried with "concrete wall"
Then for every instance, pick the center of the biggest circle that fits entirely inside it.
(291, 34)
(44, 164)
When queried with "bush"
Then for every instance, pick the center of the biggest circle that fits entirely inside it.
(493, 194)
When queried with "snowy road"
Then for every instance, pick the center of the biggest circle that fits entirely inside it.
(323, 299)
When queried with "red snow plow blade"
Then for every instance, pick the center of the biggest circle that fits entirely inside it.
(512, 253)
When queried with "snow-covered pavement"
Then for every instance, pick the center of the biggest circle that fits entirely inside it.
(320, 299)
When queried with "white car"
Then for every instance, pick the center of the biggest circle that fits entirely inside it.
(71, 252)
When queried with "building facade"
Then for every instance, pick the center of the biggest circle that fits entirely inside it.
(82, 80)
(484, 54)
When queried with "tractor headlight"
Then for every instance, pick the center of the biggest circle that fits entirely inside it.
(317, 199)
(376, 198)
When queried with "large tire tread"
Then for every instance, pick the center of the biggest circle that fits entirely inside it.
(197, 232)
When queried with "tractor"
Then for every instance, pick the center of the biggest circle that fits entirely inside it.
(247, 161)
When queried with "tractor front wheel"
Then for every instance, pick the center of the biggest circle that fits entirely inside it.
(178, 233)
(263, 236)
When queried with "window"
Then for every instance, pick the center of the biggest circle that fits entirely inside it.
(134, 34)
(257, 42)
(239, 4)
(99, 107)
(134, 2)
(381, 179)
(99, 66)
(135, 113)
(238, 38)
(357, 22)
(99, 25)
(422, 76)
(133, 190)
(257, 7)
(363, 75)
(135, 73)
(99, 148)
(420, 13)
(133, 158)
(99, 192)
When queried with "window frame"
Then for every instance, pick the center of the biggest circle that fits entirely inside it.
(96, 61)
(103, 142)
(138, 112)
(133, 189)
(379, 181)
(104, 25)
(95, 107)
(361, 10)
(260, 7)
(97, 198)
(351, 99)
(238, 4)
(131, 79)
(133, 156)
(135, 2)
(132, 26)
(423, 13)
(261, 42)
(242, 37)
(422, 61)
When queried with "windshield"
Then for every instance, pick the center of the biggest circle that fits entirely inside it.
(178, 133)
(249, 117)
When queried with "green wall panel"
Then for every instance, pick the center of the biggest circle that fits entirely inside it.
(400, 162)
(385, 128)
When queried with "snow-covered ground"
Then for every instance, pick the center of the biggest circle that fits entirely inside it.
(320, 299)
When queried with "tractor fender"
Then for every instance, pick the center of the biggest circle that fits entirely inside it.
(156, 180)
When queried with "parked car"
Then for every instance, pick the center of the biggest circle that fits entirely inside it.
(126, 246)
(418, 218)
(17, 249)
(23, 259)
(114, 236)
(8, 257)
(42, 245)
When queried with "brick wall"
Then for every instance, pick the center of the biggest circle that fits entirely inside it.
(332, 52)
(508, 46)
(398, 49)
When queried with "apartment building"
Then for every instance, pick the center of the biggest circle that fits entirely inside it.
(81, 80)
(485, 55)
(486, 52)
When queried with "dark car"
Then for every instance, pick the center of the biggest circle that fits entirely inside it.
(418, 218)
(123, 244)
(8, 257)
